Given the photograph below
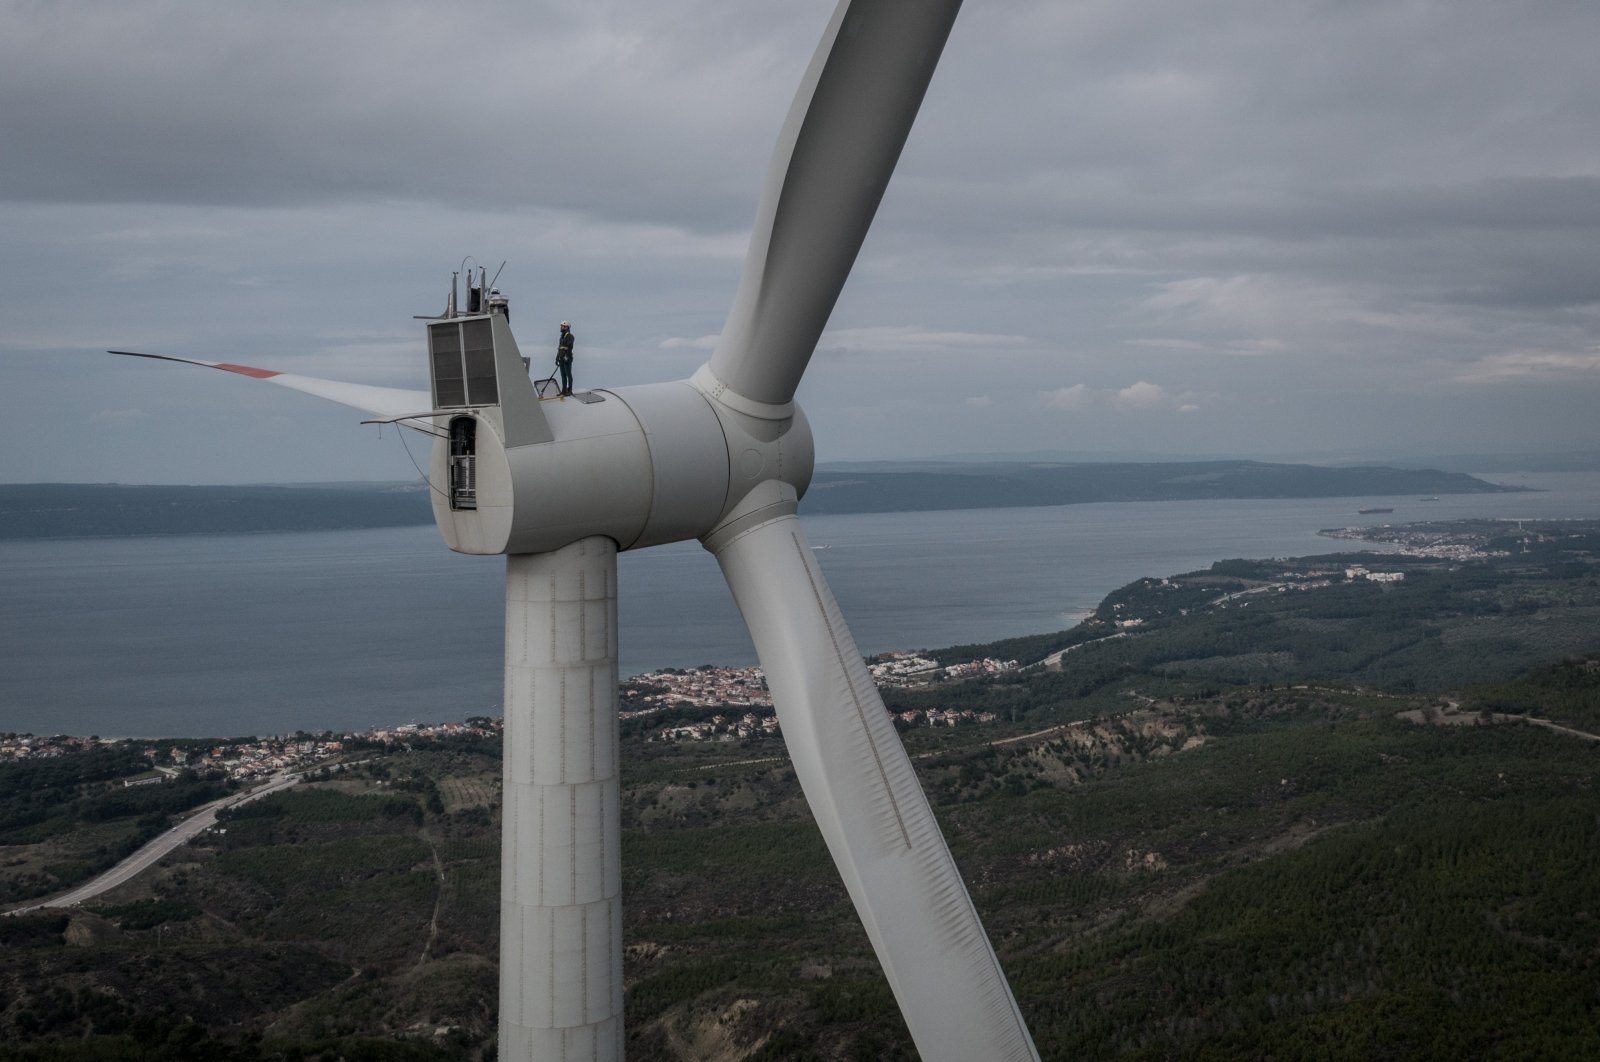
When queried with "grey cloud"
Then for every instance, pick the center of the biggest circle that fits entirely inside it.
(1319, 217)
(561, 106)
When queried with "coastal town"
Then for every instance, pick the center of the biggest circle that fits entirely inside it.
(746, 687)
(242, 760)
(1458, 540)
(712, 703)
(740, 691)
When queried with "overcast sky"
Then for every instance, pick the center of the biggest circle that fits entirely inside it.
(1263, 228)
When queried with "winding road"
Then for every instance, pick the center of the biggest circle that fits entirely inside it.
(151, 853)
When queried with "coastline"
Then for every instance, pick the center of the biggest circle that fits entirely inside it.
(194, 635)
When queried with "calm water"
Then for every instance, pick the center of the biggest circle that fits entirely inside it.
(350, 629)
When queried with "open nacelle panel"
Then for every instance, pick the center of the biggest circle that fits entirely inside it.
(477, 377)
(461, 352)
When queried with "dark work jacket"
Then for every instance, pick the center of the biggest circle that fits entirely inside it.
(564, 349)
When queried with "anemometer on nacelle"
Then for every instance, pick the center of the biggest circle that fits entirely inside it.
(643, 465)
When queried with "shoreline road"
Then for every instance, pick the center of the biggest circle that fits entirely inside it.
(151, 853)
(1054, 659)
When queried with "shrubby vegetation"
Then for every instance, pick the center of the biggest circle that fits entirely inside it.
(77, 818)
(1568, 692)
(1208, 836)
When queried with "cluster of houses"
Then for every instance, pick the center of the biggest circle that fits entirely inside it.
(720, 728)
(270, 756)
(249, 760)
(15, 747)
(724, 728)
(746, 687)
(243, 760)
(913, 669)
(942, 717)
(1356, 571)
(399, 735)
(705, 686)
(1440, 543)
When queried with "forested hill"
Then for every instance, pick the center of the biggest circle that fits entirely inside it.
(885, 488)
(75, 510)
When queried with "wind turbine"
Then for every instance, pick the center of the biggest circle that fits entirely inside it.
(723, 457)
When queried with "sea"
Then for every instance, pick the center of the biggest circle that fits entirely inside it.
(221, 635)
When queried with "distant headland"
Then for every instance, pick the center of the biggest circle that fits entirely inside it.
(105, 510)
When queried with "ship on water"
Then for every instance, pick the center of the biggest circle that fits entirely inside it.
(1365, 512)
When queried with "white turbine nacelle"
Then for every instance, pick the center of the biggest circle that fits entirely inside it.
(640, 465)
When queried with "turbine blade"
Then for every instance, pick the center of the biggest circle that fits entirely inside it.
(838, 147)
(872, 811)
(394, 402)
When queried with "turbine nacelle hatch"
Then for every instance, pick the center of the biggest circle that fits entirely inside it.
(516, 473)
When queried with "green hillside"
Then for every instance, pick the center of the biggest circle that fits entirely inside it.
(1225, 830)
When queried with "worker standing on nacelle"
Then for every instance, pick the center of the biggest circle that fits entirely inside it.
(564, 358)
